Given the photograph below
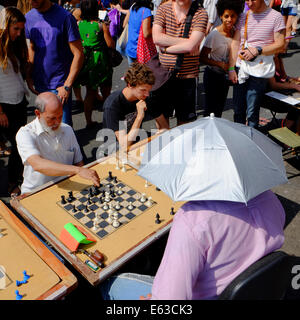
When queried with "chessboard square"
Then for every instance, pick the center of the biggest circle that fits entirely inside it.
(81, 207)
(85, 220)
(102, 233)
(130, 199)
(95, 199)
(142, 207)
(123, 220)
(83, 199)
(130, 215)
(137, 196)
(78, 215)
(136, 211)
(104, 215)
(136, 203)
(126, 189)
(125, 196)
(68, 207)
(119, 199)
(122, 185)
(89, 224)
(119, 215)
(131, 192)
(84, 192)
(103, 224)
(91, 215)
(123, 211)
(109, 229)
(93, 207)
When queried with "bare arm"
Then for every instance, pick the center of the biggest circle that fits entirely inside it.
(147, 28)
(283, 85)
(77, 62)
(204, 58)
(107, 36)
(233, 54)
(163, 40)
(126, 19)
(29, 68)
(55, 169)
(125, 140)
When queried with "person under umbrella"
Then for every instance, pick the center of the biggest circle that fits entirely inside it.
(211, 241)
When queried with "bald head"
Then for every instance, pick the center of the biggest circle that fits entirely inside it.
(49, 109)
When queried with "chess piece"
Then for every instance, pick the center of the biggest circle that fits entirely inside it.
(130, 206)
(149, 202)
(117, 165)
(146, 184)
(172, 212)
(18, 295)
(115, 180)
(95, 227)
(143, 197)
(123, 167)
(110, 177)
(107, 196)
(119, 191)
(117, 205)
(97, 216)
(111, 208)
(115, 223)
(109, 219)
(105, 207)
(86, 209)
(63, 200)
(71, 197)
(157, 220)
(25, 276)
(74, 208)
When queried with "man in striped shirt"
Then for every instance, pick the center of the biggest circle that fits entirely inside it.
(168, 28)
(265, 36)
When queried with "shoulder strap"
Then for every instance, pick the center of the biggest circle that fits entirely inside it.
(188, 22)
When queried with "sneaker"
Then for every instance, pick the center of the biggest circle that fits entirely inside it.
(293, 33)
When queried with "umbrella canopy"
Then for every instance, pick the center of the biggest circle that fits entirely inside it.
(213, 159)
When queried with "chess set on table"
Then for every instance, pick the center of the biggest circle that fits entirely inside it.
(106, 208)
(124, 215)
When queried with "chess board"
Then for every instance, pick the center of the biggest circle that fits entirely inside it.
(90, 202)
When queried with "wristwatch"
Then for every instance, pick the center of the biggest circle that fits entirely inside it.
(259, 49)
(67, 88)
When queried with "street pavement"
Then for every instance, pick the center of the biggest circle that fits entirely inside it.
(288, 194)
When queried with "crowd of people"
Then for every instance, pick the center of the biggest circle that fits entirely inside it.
(54, 47)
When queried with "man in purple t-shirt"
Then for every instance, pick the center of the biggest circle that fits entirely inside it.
(55, 51)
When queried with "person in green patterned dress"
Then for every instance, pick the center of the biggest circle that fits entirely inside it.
(97, 70)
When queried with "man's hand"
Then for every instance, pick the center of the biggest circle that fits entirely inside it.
(232, 76)
(4, 120)
(249, 53)
(89, 174)
(141, 107)
(63, 94)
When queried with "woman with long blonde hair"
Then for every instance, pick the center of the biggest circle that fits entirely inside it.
(24, 6)
(13, 111)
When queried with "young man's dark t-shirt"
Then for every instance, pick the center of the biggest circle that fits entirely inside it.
(117, 108)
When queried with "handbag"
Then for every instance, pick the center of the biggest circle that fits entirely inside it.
(259, 67)
(122, 41)
(145, 47)
(162, 74)
(115, 57)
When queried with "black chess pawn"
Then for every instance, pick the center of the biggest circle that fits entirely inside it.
(71, 197)
(74, 208)
(91, 192)
(86, 209)
(172, 212)
(157, 220)
(63, 200)
(89, 201)
(115, 180)
(96, 190)
(110, 177)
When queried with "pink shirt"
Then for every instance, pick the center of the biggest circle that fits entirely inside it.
(261, 27)
(212, 242)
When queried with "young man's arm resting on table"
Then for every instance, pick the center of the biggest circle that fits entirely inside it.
(52, 168)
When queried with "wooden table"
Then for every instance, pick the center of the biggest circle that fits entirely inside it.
(21, 250)
(41, 210)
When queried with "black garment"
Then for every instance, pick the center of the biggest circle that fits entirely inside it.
(119, 113)
(17, 117)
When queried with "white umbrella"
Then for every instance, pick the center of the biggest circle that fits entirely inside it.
(213, 159)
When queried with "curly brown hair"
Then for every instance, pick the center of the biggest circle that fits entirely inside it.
(12, 49)
(139, 74)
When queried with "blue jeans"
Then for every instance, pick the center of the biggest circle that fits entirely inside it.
(126, 286)
(67, 110)
(246, 98)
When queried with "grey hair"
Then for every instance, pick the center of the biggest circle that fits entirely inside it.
(40, 103)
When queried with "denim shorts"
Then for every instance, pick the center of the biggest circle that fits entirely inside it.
(289, 11)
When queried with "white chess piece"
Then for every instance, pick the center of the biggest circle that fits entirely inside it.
(117, 165)
(105, 207)
(149, 202)
(97, 217)
(117, 205)
(146, 184)
(95, 227)
(111, 208)
(123, 166)
(143, 197)
(109, 219)
(107, 196)
(115, 223)
(120, 191)
(130, 206)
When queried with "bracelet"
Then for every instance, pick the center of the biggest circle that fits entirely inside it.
(231, 69)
